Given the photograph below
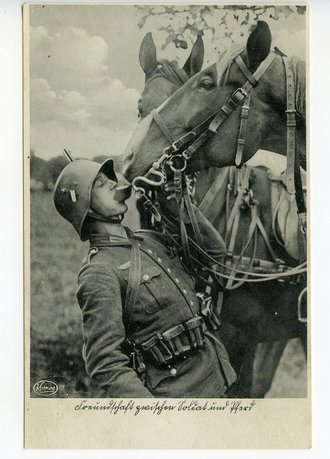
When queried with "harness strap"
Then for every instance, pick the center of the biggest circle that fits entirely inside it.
(238, 199)
(246, 71)
(133, 281)
(291, 125)
(251, 232)
(162, 126)
(192, 218)
(263, 232)
(240, 94)
(242, 130)
(257, 276)
(233, 236)
(294, 183)
(214, 189)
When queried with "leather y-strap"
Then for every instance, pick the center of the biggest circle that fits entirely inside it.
(240, 94)
(242, 131)
(218, 183)
(104, 240)
(133, 281)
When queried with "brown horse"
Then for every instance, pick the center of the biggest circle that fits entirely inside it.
(162, 79)
(206, 92)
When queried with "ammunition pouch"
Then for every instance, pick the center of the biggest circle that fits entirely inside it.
(173, 344)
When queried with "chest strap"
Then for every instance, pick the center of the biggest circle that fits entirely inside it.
(133, 281)
(105, 240)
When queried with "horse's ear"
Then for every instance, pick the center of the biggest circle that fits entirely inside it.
(194, 62)
(258, 45)
(147, 55)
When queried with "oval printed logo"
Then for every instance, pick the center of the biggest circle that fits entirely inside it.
(45, 388)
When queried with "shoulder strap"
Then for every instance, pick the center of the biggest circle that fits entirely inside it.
(133, 280)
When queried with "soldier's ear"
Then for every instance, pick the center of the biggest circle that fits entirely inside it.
(258, 45)
(147, 55)
(194, 62)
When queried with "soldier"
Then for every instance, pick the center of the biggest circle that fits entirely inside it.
(144, 334)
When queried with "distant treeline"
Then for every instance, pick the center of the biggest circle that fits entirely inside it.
(43, 174)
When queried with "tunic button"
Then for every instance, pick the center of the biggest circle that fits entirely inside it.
(159, 260)
(145, 277)
(168, 270)
(191, 302)
(184, 291)
(177, 280)
(149, 251)
(173, 372)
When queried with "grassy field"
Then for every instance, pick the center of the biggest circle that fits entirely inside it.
(56, 341)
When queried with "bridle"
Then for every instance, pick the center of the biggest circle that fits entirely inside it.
(182, 149)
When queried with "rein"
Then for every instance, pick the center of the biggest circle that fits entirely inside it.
(181, 150)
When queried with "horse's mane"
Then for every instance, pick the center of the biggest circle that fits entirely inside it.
(299, 72)
(171, 71)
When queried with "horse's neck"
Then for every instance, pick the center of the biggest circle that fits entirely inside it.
(276, 142)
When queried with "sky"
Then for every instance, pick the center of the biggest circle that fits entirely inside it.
(85, 77)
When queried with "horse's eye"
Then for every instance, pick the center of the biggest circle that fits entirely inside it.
(140, 113)
(207, 83)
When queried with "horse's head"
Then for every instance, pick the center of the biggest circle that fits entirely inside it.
(206, 92)
(163, 77)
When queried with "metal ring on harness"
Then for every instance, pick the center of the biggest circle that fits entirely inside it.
(157, 164)
(175, 158)
(300, 297)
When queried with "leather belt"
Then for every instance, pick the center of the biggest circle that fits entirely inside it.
(174, 343)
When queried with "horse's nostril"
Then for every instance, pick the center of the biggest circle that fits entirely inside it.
(129, 156)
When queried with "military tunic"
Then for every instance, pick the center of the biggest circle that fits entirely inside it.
(166, 298)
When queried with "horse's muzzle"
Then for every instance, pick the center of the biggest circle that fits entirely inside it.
(123, 192)
(131, 164)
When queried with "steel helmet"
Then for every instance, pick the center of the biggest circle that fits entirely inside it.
(72, 195)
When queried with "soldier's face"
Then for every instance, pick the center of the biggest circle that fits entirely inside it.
(103, 197)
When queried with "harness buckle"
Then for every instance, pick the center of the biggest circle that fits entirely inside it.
(238, 96)
(177, 144)
(245, 111)
(291, 118)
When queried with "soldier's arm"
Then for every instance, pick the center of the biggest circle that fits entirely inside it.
(99, 296)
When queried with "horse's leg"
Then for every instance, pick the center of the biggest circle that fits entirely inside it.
(267, 358)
